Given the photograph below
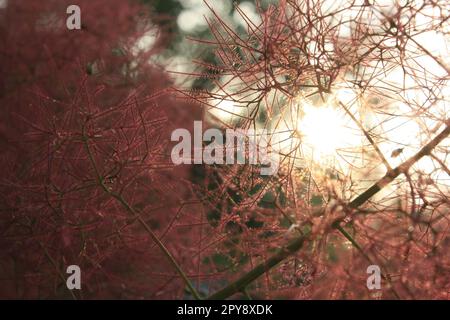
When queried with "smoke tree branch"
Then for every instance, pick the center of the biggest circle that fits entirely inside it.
(296, 244)
(259, 270)
(138, 217)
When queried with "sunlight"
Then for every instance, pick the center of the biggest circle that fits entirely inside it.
(324, 129)
(225, 110)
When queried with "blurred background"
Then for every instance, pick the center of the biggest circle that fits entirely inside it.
(186, 20)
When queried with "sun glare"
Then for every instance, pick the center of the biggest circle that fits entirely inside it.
(325, 131)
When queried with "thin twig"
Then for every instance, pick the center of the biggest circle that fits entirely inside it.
(367, 135)
(138, 217)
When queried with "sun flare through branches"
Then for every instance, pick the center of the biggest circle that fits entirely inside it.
(304, 147)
